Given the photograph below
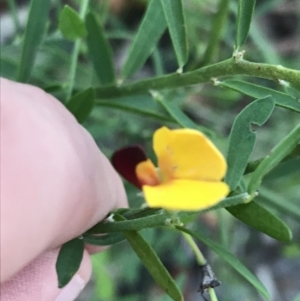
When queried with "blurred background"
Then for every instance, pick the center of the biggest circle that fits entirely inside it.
(274, 38)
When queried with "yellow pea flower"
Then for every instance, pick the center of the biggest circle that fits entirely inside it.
(189, 173)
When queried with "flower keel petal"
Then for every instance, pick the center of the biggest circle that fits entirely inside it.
(146, 173)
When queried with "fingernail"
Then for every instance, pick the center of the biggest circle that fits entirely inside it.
(72, 290)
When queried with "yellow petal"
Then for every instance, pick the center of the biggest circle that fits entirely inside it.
(187, 154)
(186, 195)
(146, 173)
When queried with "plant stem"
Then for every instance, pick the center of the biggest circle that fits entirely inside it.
(198, 254)
(228, 67)
(212, 294)
(74, 57)
(200, 260)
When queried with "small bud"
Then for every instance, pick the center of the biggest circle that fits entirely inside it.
(179, 70)
(215, 81)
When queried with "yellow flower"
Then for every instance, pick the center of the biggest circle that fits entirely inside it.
(189, 174)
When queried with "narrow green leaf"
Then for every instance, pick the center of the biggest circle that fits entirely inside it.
(69, 260)
(217, 29)
(34, 33)
(242, 138)
(149, 32)
(82, 104)
(230, 201)
(138, 219)
(14, 14)
(281, 150)
(158, 63)
(255, 91)
(75, 53)
(294, 93)
(174, 14)
(245, 12)
(231, 260)
(153, 264)
(280, 202)
(295, 153)
(187, 216)
(181, 118)
(151, 221)
(53, 88)
(70, 24)
(104, 240)
(261, 219)
(266, 50)
(99, 50)
(142, 105)
(140, 212)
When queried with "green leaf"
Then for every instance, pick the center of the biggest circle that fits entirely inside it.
(261, 219)
(158, 63)
(149, 32)
(82, 104)
(138, 219)
(153, 264)
(251, 166)
(70, 24)
(294, 93)
(245, 12)
(142, 105)
(34, 33)
(130, 225)
(104, 240)
(181, 118)
(230, 201)
(278, 153)
(53, 88)
(218, 27)
(242, 138)
(99, 51)
(187, 216)
(255, 91)
(259, 38)
(69, 260)
(230, 259)
(280, 202)
(140, 212)
(174, 15)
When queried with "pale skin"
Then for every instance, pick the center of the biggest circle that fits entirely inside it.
(55, 184)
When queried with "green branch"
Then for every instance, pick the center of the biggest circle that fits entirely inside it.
(233, 66)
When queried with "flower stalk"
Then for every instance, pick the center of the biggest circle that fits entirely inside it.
(212, 294)
(198, 254)
(203, 264)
